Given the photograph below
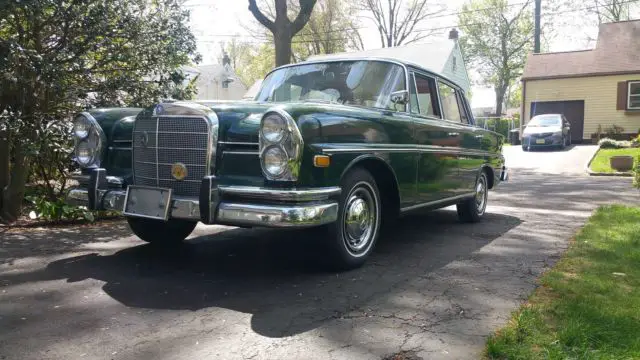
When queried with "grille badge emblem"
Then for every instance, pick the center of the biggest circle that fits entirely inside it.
(179, 171)
(144, 139)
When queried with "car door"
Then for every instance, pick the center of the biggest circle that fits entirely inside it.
(435, 138)
(476, 142)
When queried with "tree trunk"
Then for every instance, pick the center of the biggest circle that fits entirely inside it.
(499, 100)
(5, 159)
(13, 193)
(282, 38)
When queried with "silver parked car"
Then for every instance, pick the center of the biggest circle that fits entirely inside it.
(547, 130)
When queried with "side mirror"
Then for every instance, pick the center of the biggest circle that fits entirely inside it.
(400, 97)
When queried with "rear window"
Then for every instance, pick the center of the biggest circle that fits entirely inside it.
(545, 120)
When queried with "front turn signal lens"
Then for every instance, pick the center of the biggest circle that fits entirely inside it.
(321, 161)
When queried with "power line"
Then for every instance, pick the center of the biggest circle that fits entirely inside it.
(267, 39)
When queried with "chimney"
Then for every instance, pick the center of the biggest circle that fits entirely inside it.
(453, 34)
(226, 60)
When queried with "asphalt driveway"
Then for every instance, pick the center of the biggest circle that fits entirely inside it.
(435, 288)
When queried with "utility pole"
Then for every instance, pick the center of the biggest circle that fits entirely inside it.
(536, 36)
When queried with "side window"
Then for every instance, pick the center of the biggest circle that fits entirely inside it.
(424, 92)
(449, 101)
(464, 110)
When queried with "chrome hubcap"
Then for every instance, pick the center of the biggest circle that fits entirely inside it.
(360, 217)
(481, 196)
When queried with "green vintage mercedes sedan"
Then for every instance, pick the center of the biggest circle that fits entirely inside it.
(341, 145)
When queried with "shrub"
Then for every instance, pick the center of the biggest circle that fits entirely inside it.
(614, 130)
(607, 143)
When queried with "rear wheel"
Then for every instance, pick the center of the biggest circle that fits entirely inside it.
(524, 148)
(353, 236)
(173, 231)
(472, 210)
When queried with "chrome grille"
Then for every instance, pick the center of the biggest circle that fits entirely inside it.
(160, 142)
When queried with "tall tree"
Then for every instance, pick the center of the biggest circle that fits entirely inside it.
(497, 39)
(59, 57)
(333, 27)
(397, 20)
(281, 27)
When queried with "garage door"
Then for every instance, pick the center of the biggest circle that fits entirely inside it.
(572, 110)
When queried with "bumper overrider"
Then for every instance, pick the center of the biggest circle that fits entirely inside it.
(225, 205)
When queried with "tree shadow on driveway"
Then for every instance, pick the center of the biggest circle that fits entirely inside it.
(274, 274)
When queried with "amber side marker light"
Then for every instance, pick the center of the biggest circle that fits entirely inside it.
(321, 161)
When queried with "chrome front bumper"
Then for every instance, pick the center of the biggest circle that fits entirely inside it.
(227, 205)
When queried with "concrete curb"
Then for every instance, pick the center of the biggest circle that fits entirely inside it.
(594, 173)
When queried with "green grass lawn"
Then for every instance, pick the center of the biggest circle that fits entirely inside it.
(588, 305)
(601, 162)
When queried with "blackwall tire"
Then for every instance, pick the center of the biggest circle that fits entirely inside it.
(159, 232)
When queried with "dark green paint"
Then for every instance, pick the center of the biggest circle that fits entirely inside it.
(424, 174)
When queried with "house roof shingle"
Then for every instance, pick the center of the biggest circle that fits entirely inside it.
(617, 52)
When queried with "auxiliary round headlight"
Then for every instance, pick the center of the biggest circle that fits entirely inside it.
(85, 153)
(274, 161)
(81, 127)
(273, 128)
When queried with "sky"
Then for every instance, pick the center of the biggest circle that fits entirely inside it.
(216, 21)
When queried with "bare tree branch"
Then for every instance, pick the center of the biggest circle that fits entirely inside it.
(253, 7)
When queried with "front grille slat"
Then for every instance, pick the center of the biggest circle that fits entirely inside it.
(171, 140)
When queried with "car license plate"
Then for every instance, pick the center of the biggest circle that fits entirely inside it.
(147, 202)
(539, 141)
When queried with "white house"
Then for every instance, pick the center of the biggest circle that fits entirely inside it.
(217, 82)
(442, 56)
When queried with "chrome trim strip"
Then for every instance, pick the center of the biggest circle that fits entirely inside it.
(278, 216)
(241, 152)
(176, 132)
(121, 141)
(152, 163)
(255, 192)
(119, 148)
(164, 179)
(238, 143)
(437, 202)
(398, 148)
(157, 158)
(174, 148)
(111, 180)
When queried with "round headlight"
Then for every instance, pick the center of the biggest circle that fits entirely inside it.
(85, 153)
(81, 127)
(274, 161)
(273, 128)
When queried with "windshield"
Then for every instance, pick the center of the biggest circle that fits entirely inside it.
(364, 83)
(545, 120)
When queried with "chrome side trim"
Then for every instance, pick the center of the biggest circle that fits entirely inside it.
(278, 216)
(358, 148)
(295, 195)
(438, 202)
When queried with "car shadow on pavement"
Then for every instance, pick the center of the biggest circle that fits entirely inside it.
(275, 275)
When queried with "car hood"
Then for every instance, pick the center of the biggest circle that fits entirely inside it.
(239, 121)
(541, 130)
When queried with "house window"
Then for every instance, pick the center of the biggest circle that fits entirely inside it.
(633, 100)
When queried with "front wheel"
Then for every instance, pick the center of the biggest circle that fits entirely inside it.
(472, 210)
(353, 236)
(173, 231)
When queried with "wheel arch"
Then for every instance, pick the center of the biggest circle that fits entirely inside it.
(385, 178)
(490, 175)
